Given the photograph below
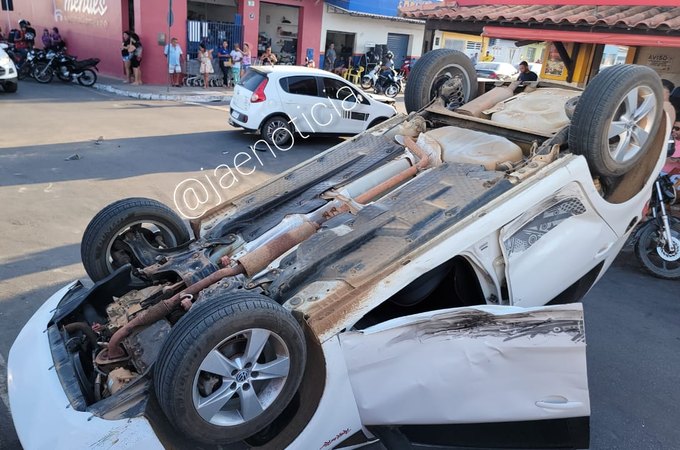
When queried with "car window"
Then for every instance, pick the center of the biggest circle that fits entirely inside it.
(252, 80)
(300, 85)
(487, 66)
(338, 90)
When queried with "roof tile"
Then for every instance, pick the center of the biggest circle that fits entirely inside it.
(612, 16)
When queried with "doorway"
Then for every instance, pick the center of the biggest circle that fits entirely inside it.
(344, 46)
(279, 29)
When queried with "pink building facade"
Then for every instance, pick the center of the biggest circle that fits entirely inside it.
(93, 28)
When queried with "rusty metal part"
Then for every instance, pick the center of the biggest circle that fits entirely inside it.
(187, 301)
(261, 257)
(85, 329)
(162, 309)
(423, 163)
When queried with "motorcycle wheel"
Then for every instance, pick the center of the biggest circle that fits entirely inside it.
(653, 256)
(392, 90)
(87, 78)
(367, 82)
(24, 71)
(42, 73)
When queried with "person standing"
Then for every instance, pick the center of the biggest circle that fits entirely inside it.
(525, 74)
(224, 58)
(236, 58)
(57, 41)
(247, 59)
(135, 49)
(329, 60)
(206, 68)
(46, 39)
(125, 53)
(173, 53)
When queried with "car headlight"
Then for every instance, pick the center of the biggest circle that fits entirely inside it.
(4, 60)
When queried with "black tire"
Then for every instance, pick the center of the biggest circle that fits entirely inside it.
(25, 71)
(87, 78)
(602, 110)
(432, 71)
(280, 138)
(10, 87)
(221, 325)
(112, 221)
(649, 252)
(392, 90)
(366, 82)
(42, 73)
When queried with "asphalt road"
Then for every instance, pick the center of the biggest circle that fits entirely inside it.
(129, 148)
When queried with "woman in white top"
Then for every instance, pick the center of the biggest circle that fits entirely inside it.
(237, 58)
(205, 57)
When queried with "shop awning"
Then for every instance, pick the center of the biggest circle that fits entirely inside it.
(584, 37)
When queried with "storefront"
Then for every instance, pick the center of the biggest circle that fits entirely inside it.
(93, 28)
(356, 33)
(573, 40)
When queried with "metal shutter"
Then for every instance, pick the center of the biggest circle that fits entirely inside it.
(398, 44)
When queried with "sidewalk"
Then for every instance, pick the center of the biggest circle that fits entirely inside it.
(162, 92)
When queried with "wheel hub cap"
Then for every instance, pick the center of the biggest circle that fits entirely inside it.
(242, 376)
(665, 253)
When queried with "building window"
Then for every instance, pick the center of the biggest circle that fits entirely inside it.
(613, 55)
(7, 5)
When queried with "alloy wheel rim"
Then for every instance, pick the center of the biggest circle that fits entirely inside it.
(632, 124)
(241, 377)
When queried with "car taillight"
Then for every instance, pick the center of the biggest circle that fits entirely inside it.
(493, 76)
(258, 95)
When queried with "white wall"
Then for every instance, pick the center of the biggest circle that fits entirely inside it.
(370, 30)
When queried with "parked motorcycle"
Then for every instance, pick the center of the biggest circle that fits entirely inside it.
(67, 68)
(405, 69)
(25, 63)
(657, 242)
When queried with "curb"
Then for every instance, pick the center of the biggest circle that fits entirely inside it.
(172, 97)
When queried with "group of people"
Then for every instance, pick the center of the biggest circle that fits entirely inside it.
(52, 40)
(131, 52)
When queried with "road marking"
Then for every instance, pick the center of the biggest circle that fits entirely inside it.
(205, 105)
(3, 382)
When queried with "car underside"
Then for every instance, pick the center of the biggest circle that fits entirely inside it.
(482, 202)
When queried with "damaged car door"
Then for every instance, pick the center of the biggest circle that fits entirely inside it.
(432, 373)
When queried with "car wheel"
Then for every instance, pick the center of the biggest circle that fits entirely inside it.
(442, 72)
(10, 87)
(616, 119)
(654, 256)
(277, 131)
(87, 78)
(230, 367)
(103, 249)
(42, 73)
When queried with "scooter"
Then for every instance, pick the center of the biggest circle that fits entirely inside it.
(657, 242)
(405, 69)
(369, 80)
(389, 86)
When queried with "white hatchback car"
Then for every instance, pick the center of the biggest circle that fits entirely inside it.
(280, 100)
(8, 72)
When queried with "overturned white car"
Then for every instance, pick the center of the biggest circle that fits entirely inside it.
(415, 284)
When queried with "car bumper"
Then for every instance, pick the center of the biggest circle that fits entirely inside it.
(42, 414)
(240, 119)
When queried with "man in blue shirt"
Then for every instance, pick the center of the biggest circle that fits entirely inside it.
(174, 54)
(224, 57)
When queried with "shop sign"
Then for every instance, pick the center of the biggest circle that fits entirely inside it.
(84, 12)
(660, 62)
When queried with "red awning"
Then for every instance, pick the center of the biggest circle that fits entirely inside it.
(535, 34)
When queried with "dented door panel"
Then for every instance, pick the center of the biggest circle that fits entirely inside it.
(472, 365)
